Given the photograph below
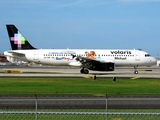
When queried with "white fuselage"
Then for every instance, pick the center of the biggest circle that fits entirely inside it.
(65, 56)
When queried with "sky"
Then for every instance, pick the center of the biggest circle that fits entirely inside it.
(84, 24)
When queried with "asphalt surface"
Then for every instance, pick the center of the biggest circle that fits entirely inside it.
(64, 71)
(79, 102)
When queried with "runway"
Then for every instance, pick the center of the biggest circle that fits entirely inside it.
(79, 102)
(64, 71)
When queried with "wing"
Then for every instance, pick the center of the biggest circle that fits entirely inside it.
(93, 63)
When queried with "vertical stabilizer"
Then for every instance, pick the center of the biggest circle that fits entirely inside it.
(17, 40)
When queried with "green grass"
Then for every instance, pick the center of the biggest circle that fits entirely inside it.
(77, 117)
(78, 86)
(83, 116)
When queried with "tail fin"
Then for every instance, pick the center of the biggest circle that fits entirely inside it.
(17, 40)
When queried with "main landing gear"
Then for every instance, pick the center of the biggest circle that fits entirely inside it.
(84, 71)
(136, 71)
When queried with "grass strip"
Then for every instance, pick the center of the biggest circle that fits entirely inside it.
(78, 86)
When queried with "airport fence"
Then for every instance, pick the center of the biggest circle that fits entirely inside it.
(80, 109)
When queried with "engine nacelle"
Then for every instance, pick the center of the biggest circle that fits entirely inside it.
(103, 67)
(76, 64)
(10, 59)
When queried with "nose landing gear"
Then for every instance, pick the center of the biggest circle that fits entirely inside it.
(136, 71)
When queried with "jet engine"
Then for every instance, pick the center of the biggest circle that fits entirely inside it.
(102, 67)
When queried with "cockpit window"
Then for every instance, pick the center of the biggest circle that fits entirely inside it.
(147, 55)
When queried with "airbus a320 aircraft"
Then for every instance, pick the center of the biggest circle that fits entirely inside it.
(87, 59)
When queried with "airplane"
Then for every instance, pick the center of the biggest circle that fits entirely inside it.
(86, 59)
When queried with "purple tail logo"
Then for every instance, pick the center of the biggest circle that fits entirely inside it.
(18, 39)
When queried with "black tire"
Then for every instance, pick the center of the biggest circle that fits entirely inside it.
(135, 72)
(82, 71)
(86, 71)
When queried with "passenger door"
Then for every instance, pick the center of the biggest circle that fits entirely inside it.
(137, 55)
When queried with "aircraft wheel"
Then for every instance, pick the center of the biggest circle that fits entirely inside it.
(82, 71)
(135, 72)
(86, 71)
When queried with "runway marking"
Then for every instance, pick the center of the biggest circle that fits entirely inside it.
(12, 71)
(135, 77)
(142, 70)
